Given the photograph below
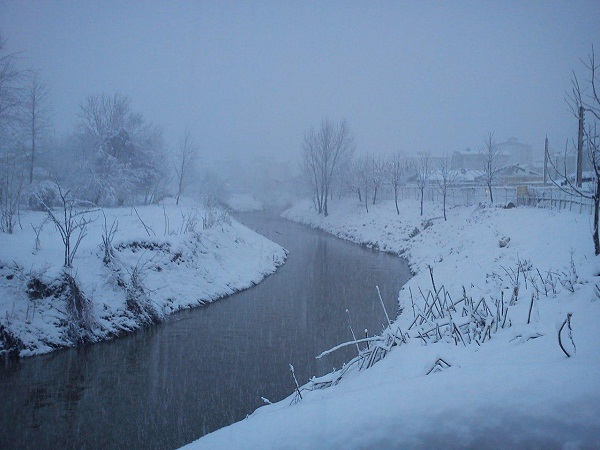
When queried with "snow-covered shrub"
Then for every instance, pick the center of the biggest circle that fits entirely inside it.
(45, 194)
(78, 308)
(213, 215)
(108, 234)
(10, 344)
(137, 298)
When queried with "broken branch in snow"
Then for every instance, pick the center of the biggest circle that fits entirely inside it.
(568, 323)
(345, 344)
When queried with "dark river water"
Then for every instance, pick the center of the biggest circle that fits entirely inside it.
(208, 367)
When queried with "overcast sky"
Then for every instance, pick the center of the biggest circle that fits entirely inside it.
(251, 77)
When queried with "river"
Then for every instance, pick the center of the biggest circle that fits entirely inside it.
(208, 367)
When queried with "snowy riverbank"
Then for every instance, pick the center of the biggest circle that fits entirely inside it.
(473, 363)
(163, 261)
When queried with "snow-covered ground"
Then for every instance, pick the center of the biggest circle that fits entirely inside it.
(499, 378)
(163, 261)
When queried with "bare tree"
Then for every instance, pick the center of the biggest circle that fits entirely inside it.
(36, 113)
(422, 170)
(446, 178)
(183, 163)
(11, 184)
(10, 84)
(364, 176)
(323, 153)
(350, 179)
(491, 155)
(377, 175)
(71, 222)
(581, 101)
(397, 171)
(11, 173)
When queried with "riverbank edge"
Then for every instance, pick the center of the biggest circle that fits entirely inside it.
(22, 337)
(491, 247)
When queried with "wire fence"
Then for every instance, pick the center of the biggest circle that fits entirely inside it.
(550, 197)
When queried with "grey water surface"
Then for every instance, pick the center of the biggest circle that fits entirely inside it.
(205, 368)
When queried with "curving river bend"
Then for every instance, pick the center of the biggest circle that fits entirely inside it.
(208, 367)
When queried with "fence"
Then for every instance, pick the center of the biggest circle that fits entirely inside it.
(550, 197)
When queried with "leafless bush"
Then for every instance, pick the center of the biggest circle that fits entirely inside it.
(37, 230)
(570, 277)
(10, 344)
(108, 234)
(213, 215)
(146, 227)
(71, 223)
(79, 309)
(137, 298)
(189, 222)
(11, 185)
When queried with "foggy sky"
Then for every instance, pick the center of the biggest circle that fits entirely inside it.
(252, 77)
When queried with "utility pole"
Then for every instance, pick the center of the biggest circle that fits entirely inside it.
(546, 161)
(580, 148)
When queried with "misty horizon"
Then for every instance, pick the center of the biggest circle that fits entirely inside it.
(251, 79)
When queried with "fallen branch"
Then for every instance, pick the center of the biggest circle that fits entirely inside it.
(345, 344)
(568, 323)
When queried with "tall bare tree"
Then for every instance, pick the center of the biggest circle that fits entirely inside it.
(445, 179)
(491, 157)
(377, 175)
(422, 171)
(11, 170)
(350, 179)
(36, 115)
(184, 160)
(10, 83)
(397, 171)
(323, 153)
(364, 176)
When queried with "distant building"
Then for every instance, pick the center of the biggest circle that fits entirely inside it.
(517, 152)
(512, 152)
(466, 160)
(514, 174)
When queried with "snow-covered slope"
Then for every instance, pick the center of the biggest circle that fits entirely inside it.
(499, 378)
(163, 261)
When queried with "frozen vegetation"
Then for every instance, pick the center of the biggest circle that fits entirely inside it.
(495, 346)
(133, 267)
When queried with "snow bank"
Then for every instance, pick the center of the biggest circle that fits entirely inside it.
(163, 261)
(509, 385)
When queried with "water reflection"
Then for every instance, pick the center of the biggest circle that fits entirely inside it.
(208, 367)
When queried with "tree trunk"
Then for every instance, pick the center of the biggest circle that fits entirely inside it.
(596, 206)
(32, 159)
(444, 195)
(359, 196)
(491, 192)
(422, 193)
(396, 199)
